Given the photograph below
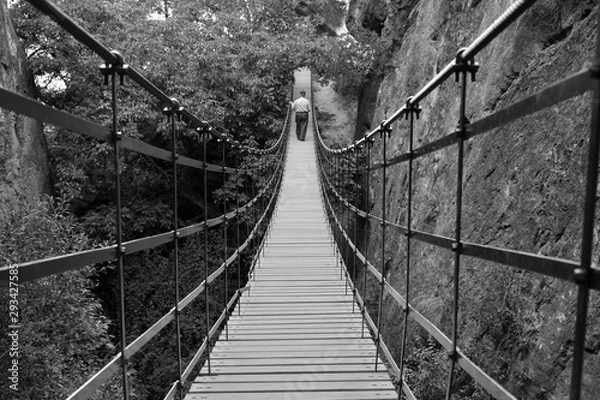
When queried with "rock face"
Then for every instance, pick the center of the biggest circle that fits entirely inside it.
(523, 189)
(332, 14)
(23, 151)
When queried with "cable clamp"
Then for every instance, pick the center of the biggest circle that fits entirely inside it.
(119, 67)
(384, 129)
(412, 108)
(462, 65)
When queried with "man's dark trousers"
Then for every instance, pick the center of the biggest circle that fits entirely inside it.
(301, 125)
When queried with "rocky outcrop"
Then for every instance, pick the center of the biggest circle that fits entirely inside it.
(331, 15)
(23, 151)
(523, 188)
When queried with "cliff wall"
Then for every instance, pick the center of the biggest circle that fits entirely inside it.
(23, 152)
(523, 189)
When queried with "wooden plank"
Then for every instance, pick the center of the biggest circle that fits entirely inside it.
(262, 387)
(299, 336)
(297, 394)
(314, 317)
(226, 353)
(242, 346)
(294, 325)
(300, 361)
(330, 377)
(300, 301)
(301, 369)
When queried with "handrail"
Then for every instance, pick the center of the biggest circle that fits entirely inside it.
(263, 201)
(334, 163)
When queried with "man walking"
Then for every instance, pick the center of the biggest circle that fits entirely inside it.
(301, 107)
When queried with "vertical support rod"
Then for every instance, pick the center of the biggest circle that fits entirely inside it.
(330, 180)
(225, 226)
(237, 223)
(385, 133)
(254, 218)
(345, 212)
(336, 187)
(587, 241)
(119, 232)
(368, 143)
(247, 190)
(456, 246)
(413, 111)
(205, 138)
(357, 151)
(174, 157)
(330, 187)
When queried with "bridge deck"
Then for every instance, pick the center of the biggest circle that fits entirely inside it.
(297, 335)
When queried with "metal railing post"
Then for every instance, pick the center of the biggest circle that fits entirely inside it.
(254, 173)
(246, 189)
(205, 139)
(236, 150)
(369, 145)
(330, 189)
(357, 151)
(224, 143)
(336, 183)
(112, 70)
(385, 132)
(330, 180)
(461, 69)
(583, 273)
(171, 112)
(345, 209)
(413, 111)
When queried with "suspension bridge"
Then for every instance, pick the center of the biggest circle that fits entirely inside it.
(299, 328)
(296, 333)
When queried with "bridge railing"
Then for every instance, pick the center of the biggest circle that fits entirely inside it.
(340, 169)
(256, 211)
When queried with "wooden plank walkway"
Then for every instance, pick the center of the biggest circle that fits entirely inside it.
(296, 335)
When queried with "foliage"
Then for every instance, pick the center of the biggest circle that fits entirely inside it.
(427, 368)
(63, 337)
